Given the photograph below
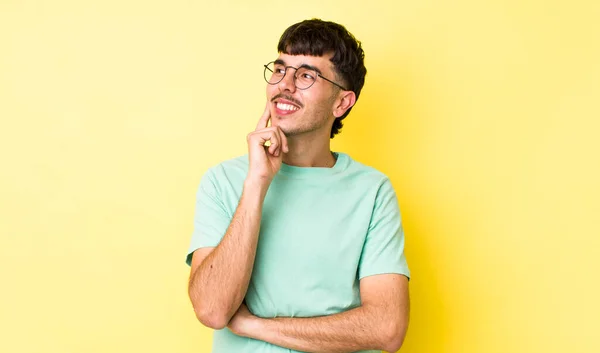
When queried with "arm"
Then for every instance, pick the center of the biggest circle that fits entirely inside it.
(219, 280)
(219, 276)
(379, 323)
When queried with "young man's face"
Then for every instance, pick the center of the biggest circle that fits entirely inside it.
(298, 111)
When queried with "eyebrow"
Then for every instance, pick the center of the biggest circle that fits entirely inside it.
(281, 62)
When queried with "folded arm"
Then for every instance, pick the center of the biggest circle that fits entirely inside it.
(219, 277)
(379, 323)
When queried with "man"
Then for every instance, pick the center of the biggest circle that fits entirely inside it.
(296, 248)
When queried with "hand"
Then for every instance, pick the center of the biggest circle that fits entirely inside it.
(242, 321)
(265, 161)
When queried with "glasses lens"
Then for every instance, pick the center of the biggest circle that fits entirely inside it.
(305, 77)
(274, 73)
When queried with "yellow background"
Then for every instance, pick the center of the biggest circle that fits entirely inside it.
(485, 114)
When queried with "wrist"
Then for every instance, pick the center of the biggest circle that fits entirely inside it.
(256, 186)
(254, 327)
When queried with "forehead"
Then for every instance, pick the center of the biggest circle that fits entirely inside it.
(322, 62)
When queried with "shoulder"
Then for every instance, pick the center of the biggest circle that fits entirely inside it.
(363, 173)
(228, 172)
(231, 166)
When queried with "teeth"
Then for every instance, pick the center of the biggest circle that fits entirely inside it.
(284, 106)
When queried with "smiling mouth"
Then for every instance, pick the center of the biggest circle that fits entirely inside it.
(286, 107)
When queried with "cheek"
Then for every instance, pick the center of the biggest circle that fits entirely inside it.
(272, 91)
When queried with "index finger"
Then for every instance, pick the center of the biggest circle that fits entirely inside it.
(264, 119)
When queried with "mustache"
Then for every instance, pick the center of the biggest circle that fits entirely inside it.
(288, 98)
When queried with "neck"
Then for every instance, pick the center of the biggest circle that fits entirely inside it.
(309, 152)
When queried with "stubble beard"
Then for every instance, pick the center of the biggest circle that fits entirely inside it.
(306, 127)
(318, 120)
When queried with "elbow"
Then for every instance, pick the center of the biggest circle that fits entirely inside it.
(207, 314)
(393, 347)
(211, 318)
(393, 337)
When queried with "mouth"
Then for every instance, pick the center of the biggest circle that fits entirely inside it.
(285, 107)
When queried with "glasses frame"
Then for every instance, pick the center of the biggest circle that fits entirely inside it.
(297, 68)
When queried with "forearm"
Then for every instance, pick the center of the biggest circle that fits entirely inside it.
(219, 285)
(357, 329)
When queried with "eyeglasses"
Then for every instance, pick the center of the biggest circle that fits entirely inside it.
(304, 77)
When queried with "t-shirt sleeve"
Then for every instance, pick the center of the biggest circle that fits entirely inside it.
(211, 218)
(383, 250)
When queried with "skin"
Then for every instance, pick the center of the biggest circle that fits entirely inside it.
(308, 129)
(220, 276)
(380, 322)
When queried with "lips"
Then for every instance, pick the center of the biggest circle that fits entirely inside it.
(285, 107)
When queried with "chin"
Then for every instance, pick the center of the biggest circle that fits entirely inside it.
(287, 130)
(289, 127)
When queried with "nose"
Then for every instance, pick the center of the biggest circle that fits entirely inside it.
(288, 83)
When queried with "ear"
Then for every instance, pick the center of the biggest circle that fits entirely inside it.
(344, 102)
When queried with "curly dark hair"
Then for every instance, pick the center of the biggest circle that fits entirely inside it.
(316, 37)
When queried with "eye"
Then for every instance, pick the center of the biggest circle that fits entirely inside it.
(279, 70)
(307, 76)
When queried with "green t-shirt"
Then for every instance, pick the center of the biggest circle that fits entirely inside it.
(322, 230)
